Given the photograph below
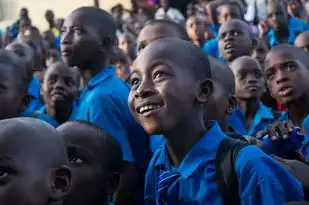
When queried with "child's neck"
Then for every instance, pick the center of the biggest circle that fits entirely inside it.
(61, 114)
(199, 42)
(182, 138)
(249, 109)
(299, 110)
(283, 35)
(88, 71)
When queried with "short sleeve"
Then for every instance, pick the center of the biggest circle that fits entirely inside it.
(263, 181)
(107, 113)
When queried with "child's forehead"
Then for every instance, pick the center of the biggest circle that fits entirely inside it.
(233, 25)
(244, 62)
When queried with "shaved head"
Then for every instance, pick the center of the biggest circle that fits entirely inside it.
(302, 41)
(32, 137)
(180, 52)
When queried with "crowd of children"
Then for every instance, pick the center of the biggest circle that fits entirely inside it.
(136, 107)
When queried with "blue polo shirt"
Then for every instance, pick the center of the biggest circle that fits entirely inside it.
(263, 118)
(273, 40)
(298, 25)
(41, 116)
(104, 102)
(211, 48)
(262, 180)
(34, 91)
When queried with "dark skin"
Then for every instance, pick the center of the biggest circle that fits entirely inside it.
(302, 41)
(25, 52)
(87, 44)
(164, 4)
(92, 182)
(49, 15)
(151, 33)
(13, 100)
(227, 12)
(286, 76)
(278, 20)
(195, 30)
(230, 34)
(83, 46)
(59, 89)
(159, 73)
(249, 84)
(27, 179)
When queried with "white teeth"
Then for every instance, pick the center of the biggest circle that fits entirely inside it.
(148, 108)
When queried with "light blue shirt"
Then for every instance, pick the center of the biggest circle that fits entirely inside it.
(211, 48)
(41, 116)
(298, 25)
(263, 118)
(273, 40)
(104, 102)
(262, 180)
(34, 91)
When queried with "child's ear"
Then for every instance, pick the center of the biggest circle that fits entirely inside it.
(107, 44)
(61, 183)
(205, 91)
(112, 183)
(232, 104)
(25, 103)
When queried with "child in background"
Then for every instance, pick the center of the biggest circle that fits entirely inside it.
(168, 13)
(95, 158)
(302, 41)
(52, 56)
(252, 115)
(30, 177)
(120, 60)
(235, 40)
(127, 44)
(60, 88)
(187, 159)
(195, 29)
(104, 99)
(225, 12)
(156, 29)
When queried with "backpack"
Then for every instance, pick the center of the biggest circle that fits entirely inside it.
(226, 178)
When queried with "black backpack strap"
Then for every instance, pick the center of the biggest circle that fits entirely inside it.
(226, 178)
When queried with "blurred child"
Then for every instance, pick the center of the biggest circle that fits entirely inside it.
(120, 60)
(52, 56)
(195, 29)
(127, 44)
(302, 41)
(34, 178)
(95, 158)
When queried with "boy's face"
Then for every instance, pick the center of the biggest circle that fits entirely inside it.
(151, 33)
(122, 71)
(22, 179)
(286, 76)
(125, 44)
(164, 4)
(302, 42)
(249, 81)
(158, 77)
(277, 17)
(234, 41)
(80, 41)
(89, 179)
(12, 99)
(228, 12)
(294, 7)
(259, 52)
(195, 28)
(60, 85)
(24, 25)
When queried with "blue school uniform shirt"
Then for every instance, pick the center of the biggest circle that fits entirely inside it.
(262, 119)
(41, 116)
(104, 102)
(211, 48)
(298, 25)
(262, 180)
(273, 40)
(34, 91)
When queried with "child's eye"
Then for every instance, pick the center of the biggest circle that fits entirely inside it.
(76, 161)
(78, 31)
(270, 75)
(158, 75)
(134, 83)
(290, 67)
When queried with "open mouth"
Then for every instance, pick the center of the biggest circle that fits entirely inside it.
(228, 47)
(149, 109)
(285, 91)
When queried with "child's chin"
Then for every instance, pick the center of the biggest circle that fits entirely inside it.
(153, 129)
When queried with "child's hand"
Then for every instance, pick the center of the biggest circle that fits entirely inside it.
(279, 130)
(263, 28)
(281, 138)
